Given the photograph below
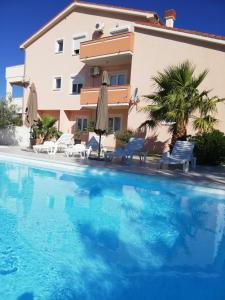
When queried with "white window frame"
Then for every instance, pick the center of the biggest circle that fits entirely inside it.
(57, 44)
(123, 72)
(79, 80)
(82, 118)
(80, 36)
(116, 116)
(54, 83)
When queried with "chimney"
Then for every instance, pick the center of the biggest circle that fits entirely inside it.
(170, 16)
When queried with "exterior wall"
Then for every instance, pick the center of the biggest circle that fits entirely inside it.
(117, 94)
(14, 76)
(108, 45)
(154, 52)
(67, 119)
(14, 136)
(15, 73)
(93, 82)
(42, 64)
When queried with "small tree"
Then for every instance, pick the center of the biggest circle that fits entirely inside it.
(45, 129)
(124, 135)
(178, 98)
(210, 147)
(8, 114)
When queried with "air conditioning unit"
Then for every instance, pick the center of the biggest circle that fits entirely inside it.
(135, 97)
(95, 71)
(99, 27)
(122, 29)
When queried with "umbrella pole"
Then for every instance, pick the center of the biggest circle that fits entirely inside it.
(99, 145)
(31, 134)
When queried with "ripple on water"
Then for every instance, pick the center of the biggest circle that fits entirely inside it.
(8, 260)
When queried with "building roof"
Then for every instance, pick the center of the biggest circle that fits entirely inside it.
(88, 5)
(115, 6)
(203, 34)
(150, 19)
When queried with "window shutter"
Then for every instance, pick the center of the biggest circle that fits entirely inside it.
(77, 39)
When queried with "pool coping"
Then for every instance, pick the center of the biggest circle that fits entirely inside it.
(71, 167)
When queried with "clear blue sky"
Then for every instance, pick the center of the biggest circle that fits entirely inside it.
(20, 18)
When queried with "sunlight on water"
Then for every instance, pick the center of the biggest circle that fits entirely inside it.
(98, 234)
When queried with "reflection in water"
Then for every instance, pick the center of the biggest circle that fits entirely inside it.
(108, 236)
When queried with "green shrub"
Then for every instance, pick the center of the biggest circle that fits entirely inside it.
(91, 126)
(210, 148)
(124, 136)
(8, 114)
(45, 129)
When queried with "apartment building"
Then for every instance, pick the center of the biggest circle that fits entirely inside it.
(66, 57)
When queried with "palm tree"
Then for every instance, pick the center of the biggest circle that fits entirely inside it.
(177, 99)
(45, 128)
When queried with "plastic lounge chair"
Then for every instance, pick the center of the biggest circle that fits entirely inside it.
(182, 154)
(133, 147)
(79, 150)
(93, 144)
(51, 148)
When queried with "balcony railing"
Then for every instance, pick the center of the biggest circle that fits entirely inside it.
(117, 95)
(15, 74)
(107, 46)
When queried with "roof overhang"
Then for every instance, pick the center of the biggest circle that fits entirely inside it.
(180, 33)
(114, 9)
(77, 4)
(119, 58)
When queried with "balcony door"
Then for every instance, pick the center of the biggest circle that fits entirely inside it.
(118, 79)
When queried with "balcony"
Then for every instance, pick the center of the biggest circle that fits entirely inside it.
(15, 75)
(117, 96)
(116, 49)
(18, 103)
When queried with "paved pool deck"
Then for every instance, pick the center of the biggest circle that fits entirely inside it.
(213, 177)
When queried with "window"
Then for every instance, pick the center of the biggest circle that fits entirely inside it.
(59, 46)
(118, 79)
(76, 85)
(76, 88)
(76, 43)
(114, 123)
(82, 124)
(57, 83)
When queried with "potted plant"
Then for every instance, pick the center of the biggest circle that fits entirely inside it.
(122, 137)
(45, 130)
(77, 137)
(82, 135)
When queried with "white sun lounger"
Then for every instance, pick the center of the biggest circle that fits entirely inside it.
(78, 150)
(182, 154)
(133, 147)
(51, 148)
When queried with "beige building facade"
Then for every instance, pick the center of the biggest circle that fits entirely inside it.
(66, 57)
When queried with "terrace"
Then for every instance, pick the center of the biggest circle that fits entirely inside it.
(204, 175)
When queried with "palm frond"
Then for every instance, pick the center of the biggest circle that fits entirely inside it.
(149, 123)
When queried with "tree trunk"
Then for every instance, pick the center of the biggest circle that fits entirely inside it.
(179, 133)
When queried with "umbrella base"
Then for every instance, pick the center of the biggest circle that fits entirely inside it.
(96, 158)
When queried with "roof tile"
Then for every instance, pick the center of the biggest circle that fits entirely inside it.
(160, 25)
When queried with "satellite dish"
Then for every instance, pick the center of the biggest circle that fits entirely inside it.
(134, 97)
(99, 26)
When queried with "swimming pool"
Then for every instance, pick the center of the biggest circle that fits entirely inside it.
(99, 234)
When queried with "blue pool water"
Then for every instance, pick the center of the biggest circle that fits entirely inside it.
(98, 234)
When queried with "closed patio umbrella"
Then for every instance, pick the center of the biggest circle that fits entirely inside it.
(101, 125)
(31, 109)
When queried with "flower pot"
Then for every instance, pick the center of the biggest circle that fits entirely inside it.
(36, 142)
(77, 141)
(120, 144)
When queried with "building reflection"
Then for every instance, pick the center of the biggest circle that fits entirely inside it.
(114, 228)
